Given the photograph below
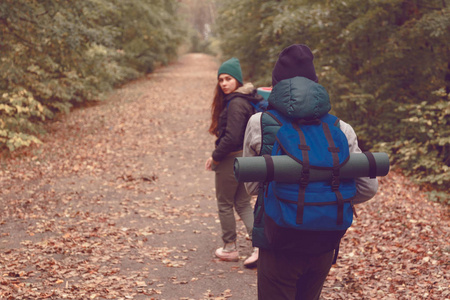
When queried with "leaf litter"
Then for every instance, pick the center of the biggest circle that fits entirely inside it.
(116, 205)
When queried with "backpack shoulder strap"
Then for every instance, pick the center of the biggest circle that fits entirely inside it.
(335, 181)
(279, 118)
(331, 120)
(337, 123)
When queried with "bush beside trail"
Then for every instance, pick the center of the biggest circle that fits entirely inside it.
(56, 54)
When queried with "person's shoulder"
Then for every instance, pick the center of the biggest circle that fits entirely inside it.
(239, 98)
(344, 126)
(240, 101)
(348, 130)
(256, 117)
(254, 122)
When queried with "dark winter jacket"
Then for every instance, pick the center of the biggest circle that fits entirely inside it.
(233, 121)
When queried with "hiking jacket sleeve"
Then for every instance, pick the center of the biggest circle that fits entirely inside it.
(252, 147)
(232, 137)
(366, 187)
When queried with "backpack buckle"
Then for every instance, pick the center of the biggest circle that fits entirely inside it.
(335, 180)
(304, 178)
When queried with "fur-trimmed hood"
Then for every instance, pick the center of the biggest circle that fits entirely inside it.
(247, 91)
(247, 88)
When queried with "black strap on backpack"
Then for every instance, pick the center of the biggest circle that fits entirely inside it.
(372, 164)
(335, 181)
(304, 178)
(270, 168)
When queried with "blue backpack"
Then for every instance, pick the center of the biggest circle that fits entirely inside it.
(310, 206)
(260, 106)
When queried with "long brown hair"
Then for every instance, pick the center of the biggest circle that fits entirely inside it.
(217, 106)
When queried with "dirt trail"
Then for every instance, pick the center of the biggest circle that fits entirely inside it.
(116, 205)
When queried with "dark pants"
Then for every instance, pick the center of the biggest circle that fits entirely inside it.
(287, 276)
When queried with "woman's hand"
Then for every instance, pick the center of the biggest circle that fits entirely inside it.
(208, 164)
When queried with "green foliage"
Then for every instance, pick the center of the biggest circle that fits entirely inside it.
(55, 54)
(385, 63)
(199, 14)
(396, 53)
(18, 109)
(438, 196)
(198, 44)
(242, 27)
(425, 150)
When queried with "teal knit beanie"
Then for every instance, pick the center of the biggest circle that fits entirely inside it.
(231, 67)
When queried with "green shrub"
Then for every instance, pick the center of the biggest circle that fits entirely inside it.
(55, 54)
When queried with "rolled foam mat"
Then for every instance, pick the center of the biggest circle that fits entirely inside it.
(253, 169)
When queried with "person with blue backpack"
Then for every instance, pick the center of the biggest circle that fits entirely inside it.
(298, 226)
(233, 104)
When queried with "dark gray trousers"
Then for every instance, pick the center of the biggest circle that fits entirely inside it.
(232, 195)
(287, 276)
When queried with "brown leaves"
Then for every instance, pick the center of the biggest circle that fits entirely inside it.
(397, 249)
(116, 205)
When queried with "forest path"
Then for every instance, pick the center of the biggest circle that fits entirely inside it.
(116, 205)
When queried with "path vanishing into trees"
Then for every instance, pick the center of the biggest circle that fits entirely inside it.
(116, 205)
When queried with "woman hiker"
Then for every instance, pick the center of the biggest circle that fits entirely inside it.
(230, 112)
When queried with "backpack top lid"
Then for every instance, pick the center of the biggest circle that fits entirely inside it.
(300, 98)
(264, 92)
